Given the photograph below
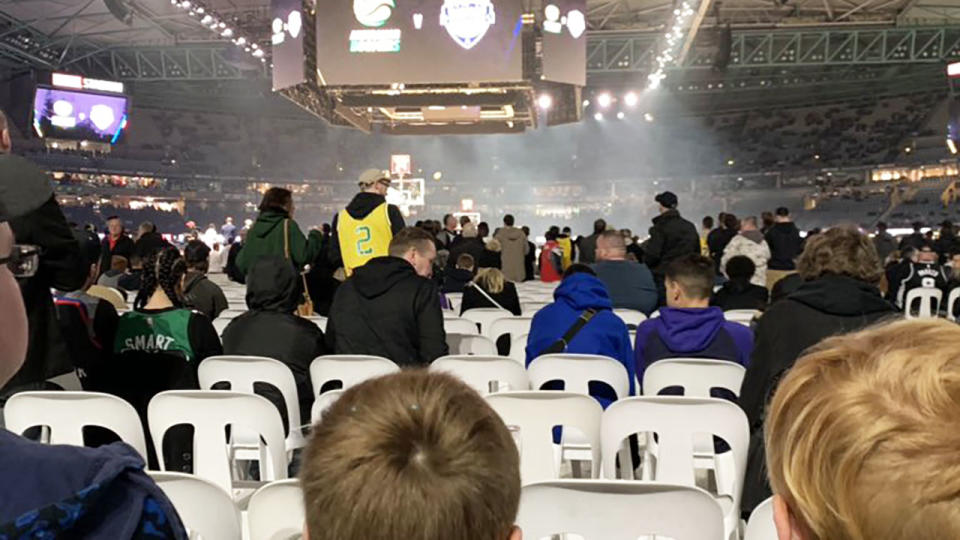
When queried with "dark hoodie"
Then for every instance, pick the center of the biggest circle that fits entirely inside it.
(671, 237)
(386, 309)
(266, 237)
(817, 309)
(359, 208)
(785, 246)
(454, 280)
(204, 295)
(271, 329)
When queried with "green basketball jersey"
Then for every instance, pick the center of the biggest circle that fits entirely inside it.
(153, 333)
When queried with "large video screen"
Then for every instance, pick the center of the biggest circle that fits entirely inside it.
(77, 115)
(376, 42)
(287, 39)
(565, 41)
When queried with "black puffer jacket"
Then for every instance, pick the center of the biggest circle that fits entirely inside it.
(818, 309)
(785, 246)
(672, 237)
(386, 309)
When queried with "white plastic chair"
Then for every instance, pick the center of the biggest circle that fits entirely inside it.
(760, 526)
(206, 510)
(515, 326)
(463, 344)
(529, 309)
(952, 302)
(209, 413)
(322, 403)
(480, 371)
(67, 413)
(695, 375)
(518, 349)
(460, 326)
(220, 324)
(535, 414)
(348, 369)
(109, 294)
(630, 317)
(577, 371)
(618, 510)
(456, 300)
(929, 302)
(742, 316)
(485, 316)
(321, 322)
(276, 511)
(243, 371)
(676, 421)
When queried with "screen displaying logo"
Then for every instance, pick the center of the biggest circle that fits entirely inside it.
(373, 13)
(467, 21)
(293, 25)
(575, 21)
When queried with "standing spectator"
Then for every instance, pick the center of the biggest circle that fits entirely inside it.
(218, 259)
(588, 245)
(767, 221)
(514, 249)
(551, 259)
(490, 290)
(231, 269)
(948, 242)
(390, 307)
(738, 292)
(456, 279)
(839, 295)
(784, 241)
(148, 240)
(914, 239)
(750, 243)
(466, 243)
(362, 231)
(565, 240)
(718, 238)
(921, 270)
(276, 233)
(199, 292)
(116, 243)
(634, 251)
(483, 231)
(228, 231)
(271, 328)
(491, 257)
(883, 242)
(530, 256)
(630, 284)
(672, 236)
(449, 232)
(706, 227)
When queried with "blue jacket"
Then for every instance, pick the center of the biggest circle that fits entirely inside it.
(605, 334)
(630, 284)
(691, 333)
(74, 492)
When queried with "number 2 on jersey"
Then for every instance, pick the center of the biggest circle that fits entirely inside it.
(363, 232)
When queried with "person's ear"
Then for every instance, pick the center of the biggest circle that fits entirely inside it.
(787, 526)
(515, 534)
(5, 142)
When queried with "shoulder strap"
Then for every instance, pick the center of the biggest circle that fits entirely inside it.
(286, 239)
(487, 296)
(582, 321)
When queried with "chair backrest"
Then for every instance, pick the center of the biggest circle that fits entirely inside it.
(209, 413)
(515, 326)
(479, 371)
(220, 324)
(67, 413)
(243, 371)
(322, 403)
(760, 526)
(618, 510)
(348, 369)
(460, 326)
(952, 302)
(206, 510)
(532, 416)
(320, 322)
(742, 316)
(695, 375)
(518, 348)
(456, 300)
(529, 309)
(630, 317)
(577, 371)
(929, 302)
(464, 344)
(276, 511)
(485, 316)
(111, 295)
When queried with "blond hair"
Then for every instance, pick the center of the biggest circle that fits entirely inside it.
(863, 434)
(490, 279)
(413, 455)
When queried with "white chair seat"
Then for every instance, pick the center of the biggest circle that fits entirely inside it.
(485, 374)
(577, 371)
(697, 376)
(518, 349)
(485, 316)
(322, 403)
(348, 369)
(513, 326)
(464, 344)
(760, 526)
(742, 316)
(206, 510)
(630, 317)
(276, 511)
(460, 326)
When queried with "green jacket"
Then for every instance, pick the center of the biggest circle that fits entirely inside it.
(266, 238)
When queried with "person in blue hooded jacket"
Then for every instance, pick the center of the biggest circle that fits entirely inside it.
(688, 327)
(605, 334)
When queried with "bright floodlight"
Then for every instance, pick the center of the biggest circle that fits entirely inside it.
(631, 99)
(545, 101)
(437, 175)
(620, 115)
(598, 117)
(648, 117)
(604, 100)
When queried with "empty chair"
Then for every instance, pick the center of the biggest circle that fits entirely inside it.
(348, 370)
(514, 326)
(927, 302)
(529, 309)
(67, 413)
(323, 402)
(697, 376)
(631, 317)
(220, 324)
(463, 344)
(206, 510)
(111, 295)
(595, 509)
(276, 511)
(531, 416)
(485, 374)
(518, 348)
(760, 526)
(242, 372)
(742, 316)
(577, 371)
(209, 413)
(952, 302)
(456, 300)
(460, 326)
(485, 316)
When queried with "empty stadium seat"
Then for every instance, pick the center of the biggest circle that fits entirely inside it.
(206, 510)
(760, 526)
(348, 370)
(485, 374)
(464, 344)
(926, 301)
(275, 511)
(695, 375)
(577, 371)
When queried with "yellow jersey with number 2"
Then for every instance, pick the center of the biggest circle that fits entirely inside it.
(363, 239)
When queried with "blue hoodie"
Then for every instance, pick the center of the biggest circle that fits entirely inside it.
(692, 333)
(605, 334)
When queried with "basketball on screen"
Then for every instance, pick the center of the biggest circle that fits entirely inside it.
(373, 13)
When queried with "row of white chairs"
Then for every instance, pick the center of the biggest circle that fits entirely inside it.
(925, 303)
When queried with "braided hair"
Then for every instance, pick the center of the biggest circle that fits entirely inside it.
(163, 268)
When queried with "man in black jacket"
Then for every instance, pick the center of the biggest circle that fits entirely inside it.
(588, 245)
(785, 243)
(717, 240)
(374, 184)
(671, 237)
(148, 240)
(390, 307)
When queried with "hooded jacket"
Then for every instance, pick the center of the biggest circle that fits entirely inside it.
(359, 208)
(204, 295)
(266, 237)
(386, 309)
(59, 491)
(817, 309)
(271, 329)
(749, 244)
(472, 246)
(605, 334)
(691, 333)
(513, 248)
(741, 295)
(672, 237)
(456, 279)
(785, 245)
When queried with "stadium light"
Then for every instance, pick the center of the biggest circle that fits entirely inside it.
(604, 100)
(586, 103)
(545, 101)
(648, 117)
(621, 115)
(631, 99)
(598, 117)
(952, 146)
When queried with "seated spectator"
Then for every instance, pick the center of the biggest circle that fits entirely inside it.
(555, 328)
(148, 240)
(111, 278)
(629, 283)
(861, 436)
(411, 455)
(130, 281)
(839, 294)
(271, 328)
(688, 327)
(466, 243)
(490, 257)
(456, 279)
(59, 491)
(922, 269)
(738, 292)
(390, 307)
(749, 243)
(551, 259)
(199, 292)
(491, 290)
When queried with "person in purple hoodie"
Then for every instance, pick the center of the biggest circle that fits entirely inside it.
(688, 327)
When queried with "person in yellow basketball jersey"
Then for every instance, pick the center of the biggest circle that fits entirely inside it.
(363, 230)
